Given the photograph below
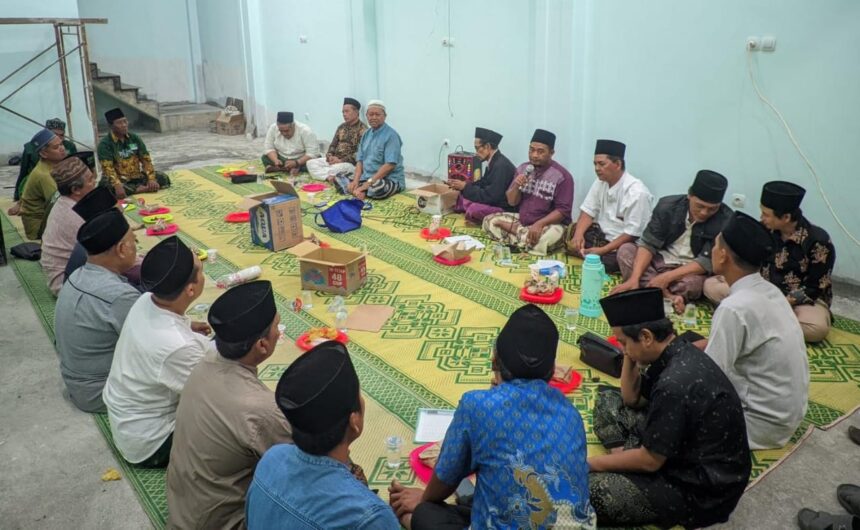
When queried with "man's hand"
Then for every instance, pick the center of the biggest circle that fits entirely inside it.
(535, 231)
(152, 186)
(594, 250)
(629, 285)
(661, 281)
(291, 164)
(403, 500)
(201, 328)
(294, 171)
(456, 184)
(576, 244)
(15, 209)
(119, 191)
(352, 186)
(360, 192)
(521, 180)
(278, 163)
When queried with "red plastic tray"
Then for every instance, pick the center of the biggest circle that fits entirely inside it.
(422, 470)
(169, 229)
(302, 341)
(441, 233)
(158, 211)
(238, 217)
(567, 388)
(314, 187)
(554, 298)
(451, 263)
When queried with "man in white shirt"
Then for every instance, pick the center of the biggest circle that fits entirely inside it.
(289, 145)
(756, 339)
(615, 211)
(156, 351)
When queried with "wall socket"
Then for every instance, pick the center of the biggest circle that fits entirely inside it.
(761, 44)
(446, 142)
(739, 200)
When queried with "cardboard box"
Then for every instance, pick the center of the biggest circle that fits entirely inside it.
(436, 199)
(276, 217)
(330, 270)
(452, 251)
(231, 124)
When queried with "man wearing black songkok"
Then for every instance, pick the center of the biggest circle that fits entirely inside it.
(755, 339)
(93, 305)
(340, 157)
(519, 427)
(289, 145)
(311, 484)
(155, 353)
(674, 252)
(675, 432)
(486, 196)
(227, 417)
(800, 264)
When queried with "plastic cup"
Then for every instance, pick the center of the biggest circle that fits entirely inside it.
(307, 299)
(212, 255)
(393, 448)
(571, 318)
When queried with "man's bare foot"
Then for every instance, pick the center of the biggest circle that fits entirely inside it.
(616, 450)
(141, 189)
(678, 303)
(406, 521)
(15, 209)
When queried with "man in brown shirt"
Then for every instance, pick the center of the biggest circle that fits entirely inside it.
(227, 418)
(344, 145)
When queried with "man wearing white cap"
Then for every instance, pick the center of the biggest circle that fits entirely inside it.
(379, 163)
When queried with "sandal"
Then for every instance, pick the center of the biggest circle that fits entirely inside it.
(849, 498)
(811, 520)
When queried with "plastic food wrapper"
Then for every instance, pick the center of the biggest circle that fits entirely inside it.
(451, 251)
(546, 267)
(111, 474)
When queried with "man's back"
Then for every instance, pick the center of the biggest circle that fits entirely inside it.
(226, 420)
(154, 355)
(526, 441)
(298, 491)
(89, 316)
(756, 340)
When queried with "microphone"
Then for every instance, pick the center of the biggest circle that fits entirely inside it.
(530, 169)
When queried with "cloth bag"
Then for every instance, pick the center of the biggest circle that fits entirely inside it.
(319, 169)
(598, 353)
(28, 251)
(343, 216)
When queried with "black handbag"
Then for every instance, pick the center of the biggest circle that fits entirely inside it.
(597, 353)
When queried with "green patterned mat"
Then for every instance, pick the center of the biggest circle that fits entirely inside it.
(438, 343)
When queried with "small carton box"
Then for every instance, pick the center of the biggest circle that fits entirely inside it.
(452, 251)
(436, 198)
(231, 123)
(276, 217)
(330, 270)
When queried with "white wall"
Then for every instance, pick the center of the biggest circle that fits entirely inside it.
(222, 47)
(43, 98)
(149, 44)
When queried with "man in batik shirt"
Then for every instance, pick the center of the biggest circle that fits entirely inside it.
(125, 160)
(802, 261)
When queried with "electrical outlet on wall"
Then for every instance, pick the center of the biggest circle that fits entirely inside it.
(446, 142)
(739, 200)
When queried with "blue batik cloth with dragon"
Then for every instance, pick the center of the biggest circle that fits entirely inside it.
(527, 445)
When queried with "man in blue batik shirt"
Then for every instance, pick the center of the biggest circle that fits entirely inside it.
(523, 438)
(379, 163)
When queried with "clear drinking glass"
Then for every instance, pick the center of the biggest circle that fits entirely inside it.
(690, 315)
(307, 299)
(393, 448)
(571, 317)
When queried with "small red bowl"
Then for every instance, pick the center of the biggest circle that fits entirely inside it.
(441, 233)
(451, 263)
(567, 388)
(314, 187)
(303, 342)
(554, 298)
(158, 211)
(169, 229)
(238, 217)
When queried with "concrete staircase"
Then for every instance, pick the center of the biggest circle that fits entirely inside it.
(160, 117)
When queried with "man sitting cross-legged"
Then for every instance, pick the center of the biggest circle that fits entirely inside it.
(92, 308)
(675, 431)
(522, 437)
(488, 195)
(543, 193)
(156, 351)
(227, 417)
(125, 161)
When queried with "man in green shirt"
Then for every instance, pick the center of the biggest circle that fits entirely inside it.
(30, 157)
(125, 160)
(40, 188)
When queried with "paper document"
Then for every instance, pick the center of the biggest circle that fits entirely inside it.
(432, 425)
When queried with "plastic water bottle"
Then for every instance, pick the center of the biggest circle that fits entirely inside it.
(690, 315)
(340, 319)
(593, 278)
(243, 276)
(393, 446)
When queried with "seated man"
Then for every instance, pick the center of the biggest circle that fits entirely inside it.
(522, 437)
(755, 339)
(227, 418)
(125, 161)
(310, 484)
(616, 210)
(678, 445)
(379, 163)
(485, 196)
(543, 191)
(30, 157)
(92, 308)
(74, 180)
(156, 351)
(340, 157)
(801, 262)
(39, 189)
(289, 145)
(674, 252)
